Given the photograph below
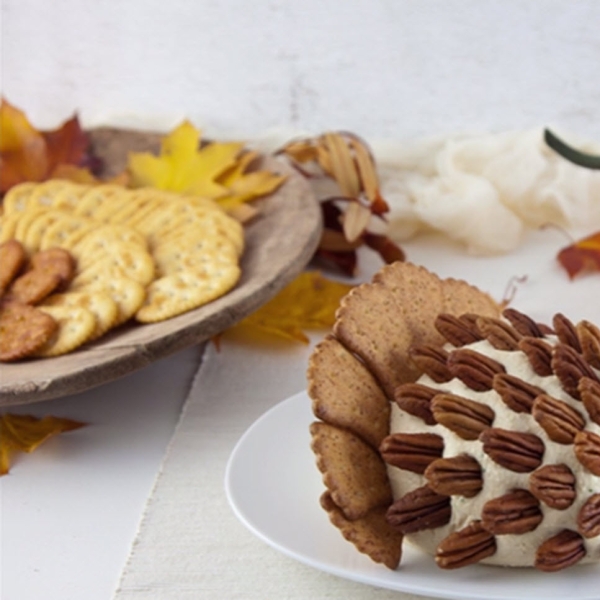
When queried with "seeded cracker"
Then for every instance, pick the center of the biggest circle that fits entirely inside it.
(23, 329)
(12, 258)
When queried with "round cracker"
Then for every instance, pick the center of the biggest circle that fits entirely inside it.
(128, 294)
(94, 198)
(130, 260)
(17, 198)
(185, 290)
(66, 231)
(36, 229)
(98, 302)
(70, 194)
(45, 194)
(76, 326)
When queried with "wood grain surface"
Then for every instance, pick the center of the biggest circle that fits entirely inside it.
(279, 244)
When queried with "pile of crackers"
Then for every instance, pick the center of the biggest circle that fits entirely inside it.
(144, 255)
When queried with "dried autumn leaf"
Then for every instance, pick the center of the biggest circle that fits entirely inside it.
(214, 170)
(27, 154)
(348, 218)
(582, 256)
(308, 302)
(24, 433)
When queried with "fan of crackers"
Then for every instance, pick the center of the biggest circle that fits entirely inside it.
(78, 260)
(352, 376)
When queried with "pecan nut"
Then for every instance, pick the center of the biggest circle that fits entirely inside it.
(569, 366)
(554, 485)
(525, 325)
(589, 337)
(560, 551)
(467, 418)
(415, 399)
(589, 390)
(420, 509)
(457, 330)
(516, 512)
(566, 331)
(432, 361)
(475, 370)
(539, 354)
(514, 450)
(499, 333)
(560, 421)
(517, 394)
(465, 547)
(457, 475)
(411, 451)
(587, 450)
(588, 518)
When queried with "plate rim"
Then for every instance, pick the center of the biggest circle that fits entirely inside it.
(294, 406)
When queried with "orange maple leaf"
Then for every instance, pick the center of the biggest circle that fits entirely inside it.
(582, 256)
(29, 154)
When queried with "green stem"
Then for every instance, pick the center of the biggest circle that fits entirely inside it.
(589, 161)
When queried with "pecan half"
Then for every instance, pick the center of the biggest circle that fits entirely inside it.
(420, 509)
(560, 421)
(589, 337)
(587, 450)
(516, 512)
(411, 451)
(431, 360)
(569, 366)
(475, 370)
(457, 475)
(589, 390)
(465, 547)
(525, 325)
(516, 393)
(588, 518)
(499, 333)
(566, 332)
(514, 450)
(560, 551)
(457, 331)
(539, 354)
(554, 485)
(415, 399)
(467, 418)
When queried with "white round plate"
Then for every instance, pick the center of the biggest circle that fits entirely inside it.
(273, 486)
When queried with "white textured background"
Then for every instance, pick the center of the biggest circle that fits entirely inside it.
(383, 68)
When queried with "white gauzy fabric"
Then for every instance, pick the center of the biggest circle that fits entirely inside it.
(190, 544)
(485, 191)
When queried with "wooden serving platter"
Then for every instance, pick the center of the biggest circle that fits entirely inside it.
(279, 244)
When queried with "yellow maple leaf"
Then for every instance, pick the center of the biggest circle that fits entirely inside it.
(214, 170)
(308, 302)
(24, 433)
